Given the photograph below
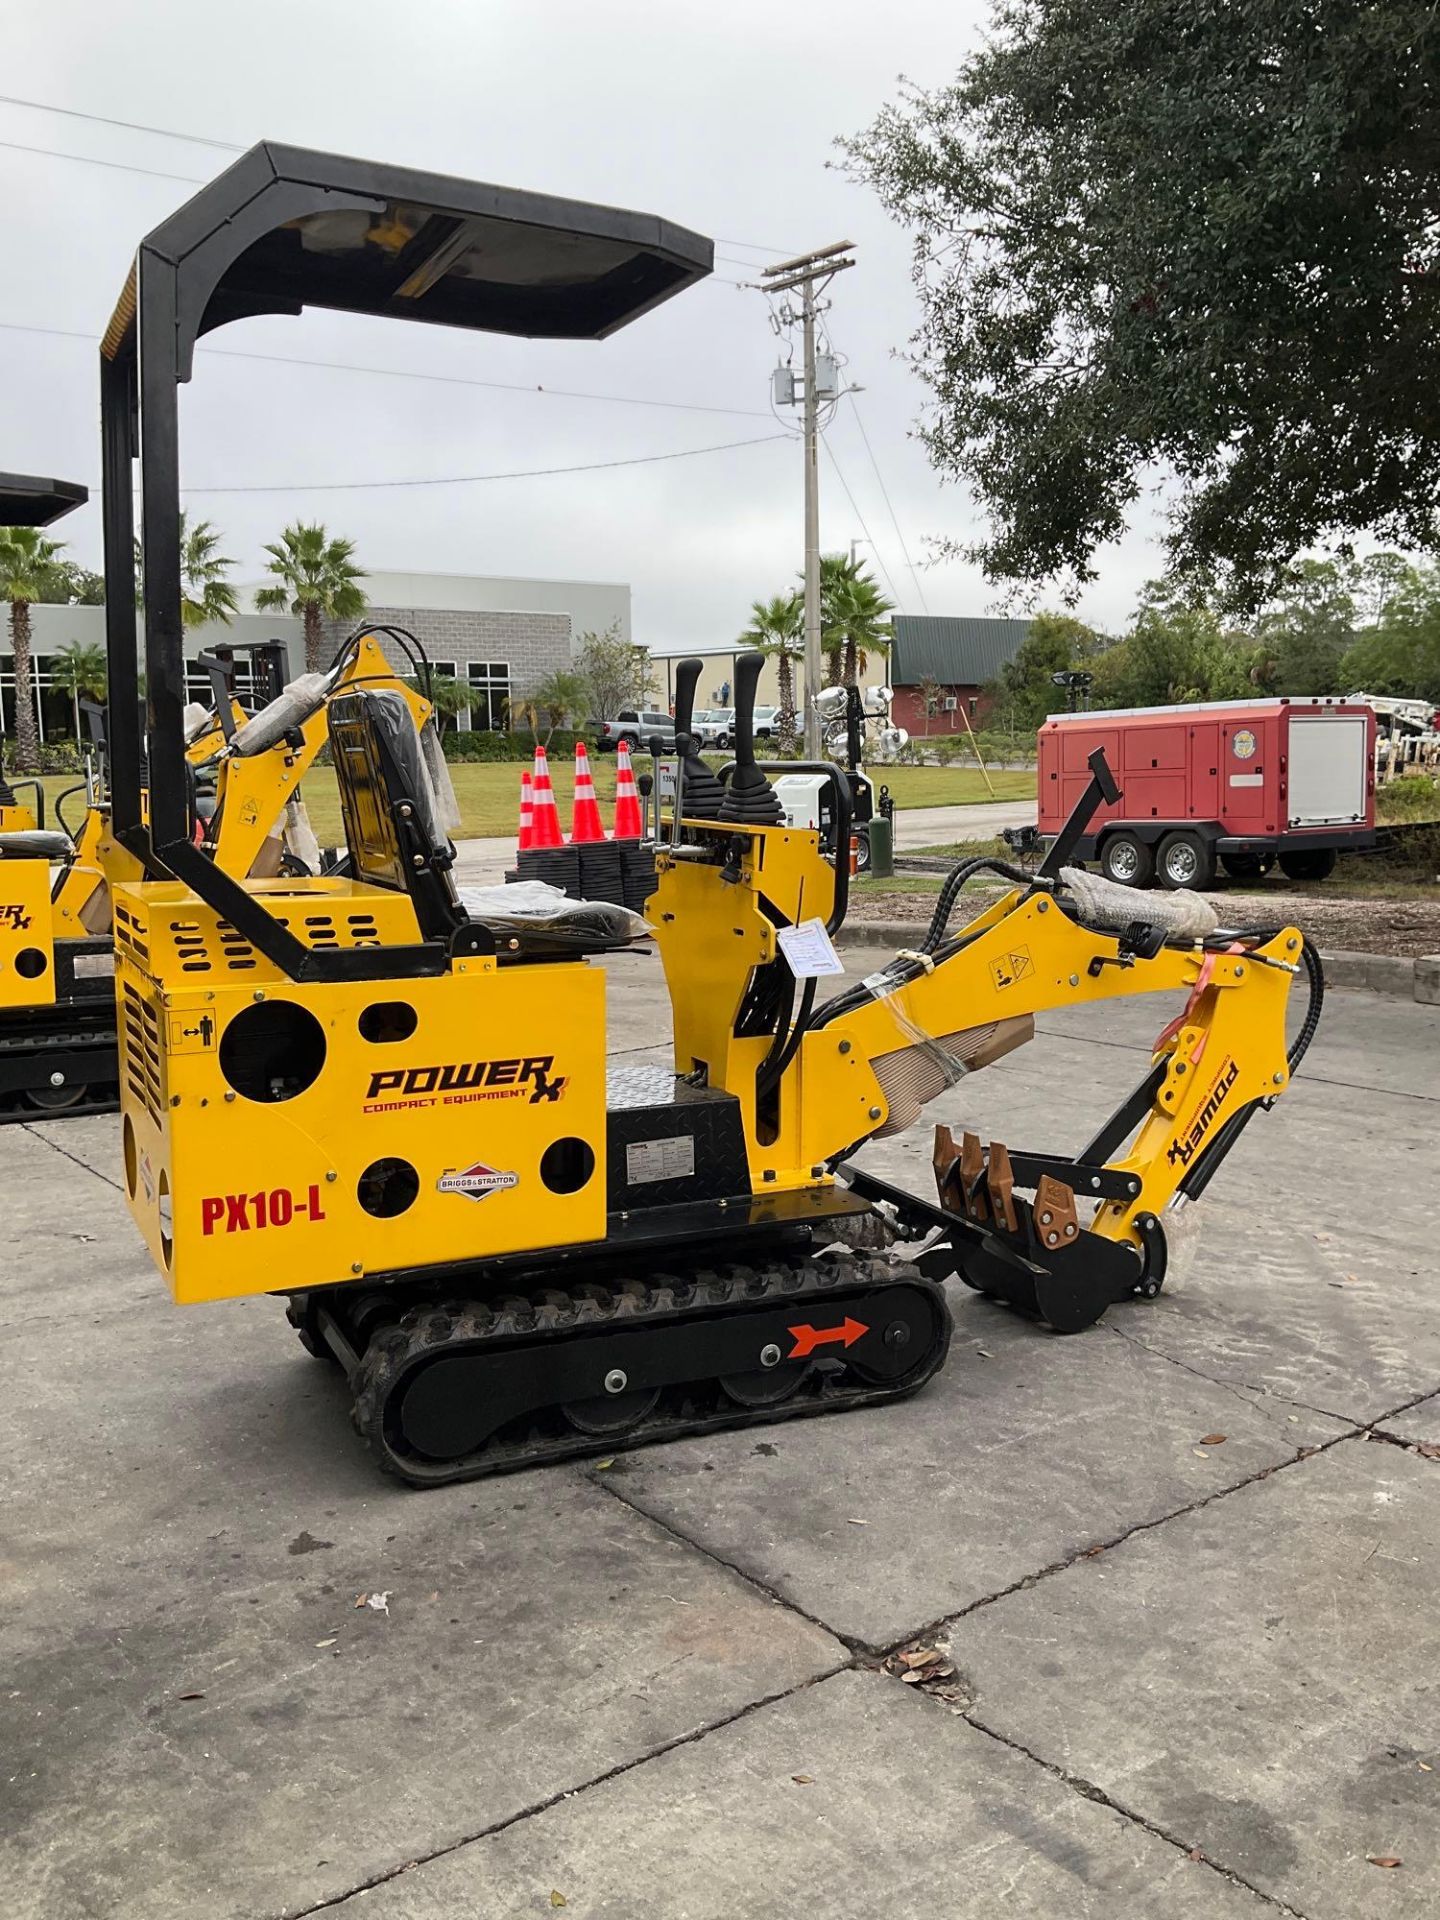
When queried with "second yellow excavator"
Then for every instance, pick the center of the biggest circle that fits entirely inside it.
(57, 1004)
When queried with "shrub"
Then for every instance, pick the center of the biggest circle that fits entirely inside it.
(1414, 796)
(468, 748)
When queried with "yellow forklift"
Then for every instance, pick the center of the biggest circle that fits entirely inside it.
(345, 1090)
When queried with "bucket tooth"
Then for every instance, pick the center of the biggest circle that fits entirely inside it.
(1000, 1184)
(972, 1177)
(946, 1160)
(1055, 1220)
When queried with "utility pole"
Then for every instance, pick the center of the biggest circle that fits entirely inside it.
(806, 272)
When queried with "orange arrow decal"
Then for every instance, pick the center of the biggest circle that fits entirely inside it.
(808, 1338)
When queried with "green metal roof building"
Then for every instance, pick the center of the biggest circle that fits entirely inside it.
(961, 655)
(966, 651)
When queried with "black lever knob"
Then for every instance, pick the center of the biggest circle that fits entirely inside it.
(701, 794)
(687, 678)
(750, 800)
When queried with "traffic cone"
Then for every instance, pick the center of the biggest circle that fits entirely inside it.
(545, 818)
(587, 825)
(629, 815)
(527, 815)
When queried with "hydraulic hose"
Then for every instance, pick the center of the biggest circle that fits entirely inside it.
(58, 803)
(1315, 976)
(1309, 954)
(950, 892)
(773, 1066)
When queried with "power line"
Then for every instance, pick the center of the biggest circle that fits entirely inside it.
(471, 479)
(131, 126)
(405, 373)
(113, 166)
(871, 542)
(885, 493)
(754, 246)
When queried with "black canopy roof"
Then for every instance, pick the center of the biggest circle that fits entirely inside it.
(285, 228)
(281, 230)
(28, 501)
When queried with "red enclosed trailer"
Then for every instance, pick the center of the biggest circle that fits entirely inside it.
(1240, 783)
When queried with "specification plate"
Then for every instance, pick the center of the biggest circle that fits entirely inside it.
(672, 1159)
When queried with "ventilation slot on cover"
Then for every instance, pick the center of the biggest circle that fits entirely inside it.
(130, 934)
(235, 949)
(190, 948)
(141, 1040)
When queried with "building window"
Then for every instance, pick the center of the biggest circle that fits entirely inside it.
(54, 707)
(441, 671)
(489, 695)
(201, 689)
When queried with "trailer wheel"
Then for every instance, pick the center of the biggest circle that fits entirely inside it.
(1127, 861)
(1185, 863)
(1308, 863)
(862, 850)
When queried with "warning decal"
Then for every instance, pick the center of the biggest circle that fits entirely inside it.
(1015, 965)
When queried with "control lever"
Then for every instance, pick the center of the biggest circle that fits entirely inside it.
(658, 751)
(698, 794)
(750, 800)
(1101, 791)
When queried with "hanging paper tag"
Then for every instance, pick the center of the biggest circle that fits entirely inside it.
(808, 950)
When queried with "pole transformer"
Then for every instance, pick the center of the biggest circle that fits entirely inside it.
(806, 273)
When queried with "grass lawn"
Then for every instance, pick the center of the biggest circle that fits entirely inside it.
(489, 793)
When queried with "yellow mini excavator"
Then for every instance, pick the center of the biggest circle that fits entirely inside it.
(345, 1090)
(57, 999)
(56, 1006)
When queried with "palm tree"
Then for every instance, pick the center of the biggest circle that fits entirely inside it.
(205, 594)
(28, 563)
(447, 695)
(317, 583)
(77, 670)
(777, 629)
(853, 618)
(561, 695)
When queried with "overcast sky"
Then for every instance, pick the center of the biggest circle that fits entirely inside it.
(722, 118)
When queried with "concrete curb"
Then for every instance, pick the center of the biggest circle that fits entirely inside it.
(1385, 973)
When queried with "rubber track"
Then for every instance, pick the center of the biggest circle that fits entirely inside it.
(700, 1407)
(101, 1097)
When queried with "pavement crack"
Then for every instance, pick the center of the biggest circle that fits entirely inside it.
(943, 1625)
(549, 1800)
(616, 1490)
(1242, 1392)
(74, 1159)
(1090, 1791)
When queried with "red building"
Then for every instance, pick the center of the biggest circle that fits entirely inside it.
(953, 660)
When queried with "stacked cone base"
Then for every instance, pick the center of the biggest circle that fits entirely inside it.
(619, 872)
(556, 866)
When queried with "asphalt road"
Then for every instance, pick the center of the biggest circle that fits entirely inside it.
(1184, 1566)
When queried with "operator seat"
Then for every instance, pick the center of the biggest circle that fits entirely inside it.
(392, 824)
(37, 843)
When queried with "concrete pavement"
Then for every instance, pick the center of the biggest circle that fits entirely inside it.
(1195, 1673)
